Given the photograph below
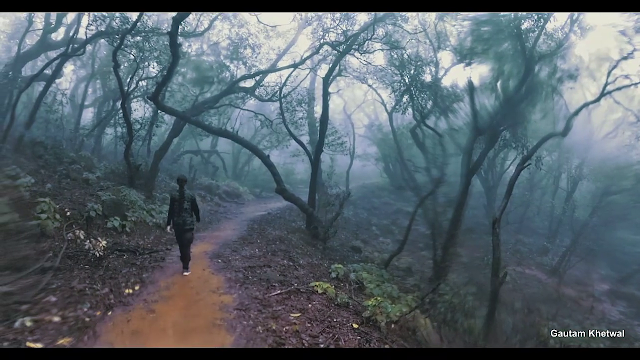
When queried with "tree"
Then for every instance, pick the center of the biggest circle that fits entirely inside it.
(199, 107)
(516, 82)
(611, 86)
(11, 77)
(189, 116)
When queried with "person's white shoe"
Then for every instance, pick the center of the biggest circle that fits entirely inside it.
(186, 272)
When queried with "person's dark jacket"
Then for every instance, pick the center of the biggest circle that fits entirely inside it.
(183, 220)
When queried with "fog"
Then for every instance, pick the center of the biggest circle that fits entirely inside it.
(465, 179)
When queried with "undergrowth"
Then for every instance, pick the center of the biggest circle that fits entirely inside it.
(138, 210)
(385, 303)
(448, 309)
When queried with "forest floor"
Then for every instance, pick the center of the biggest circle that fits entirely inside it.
(82, 290)
(253, 269)
(222, 303)
(270, 269)
(134, 294)
(178, 311)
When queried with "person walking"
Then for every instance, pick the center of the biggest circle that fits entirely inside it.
(183, 210)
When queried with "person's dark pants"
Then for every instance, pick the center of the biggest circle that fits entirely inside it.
(185, 239)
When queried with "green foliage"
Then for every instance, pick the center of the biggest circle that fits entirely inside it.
(110, 171)
(337, 271)
(455, 308)
(17, 177)
(324, 288)
(225, 190)
(336, 140)
(201, 73)
(232, 187)
(89, 178)
(119, 224)
(92, 211)
(150, 214)
(207, 185)
(129, 197)
(384, 310)
(46, 214)
(342, 299)
(375, 280)
(386, 304)
(138, 210)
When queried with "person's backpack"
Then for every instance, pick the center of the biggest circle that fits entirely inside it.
(184, 219)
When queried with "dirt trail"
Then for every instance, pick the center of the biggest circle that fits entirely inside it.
(183, 311)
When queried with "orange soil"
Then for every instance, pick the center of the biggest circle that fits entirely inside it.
(186, 311)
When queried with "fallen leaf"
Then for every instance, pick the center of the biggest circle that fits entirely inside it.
(54, 318)
(137, 287)
(294, 315)
(64, 341)
(109, 313)
(34, 345)
(25, 321)
(128, 291)
(355, 326)
(98, 313)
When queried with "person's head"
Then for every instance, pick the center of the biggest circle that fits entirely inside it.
(182, 181)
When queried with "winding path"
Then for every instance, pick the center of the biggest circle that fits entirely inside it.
(183, 311)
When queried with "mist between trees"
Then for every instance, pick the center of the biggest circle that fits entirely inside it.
(521, 126)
